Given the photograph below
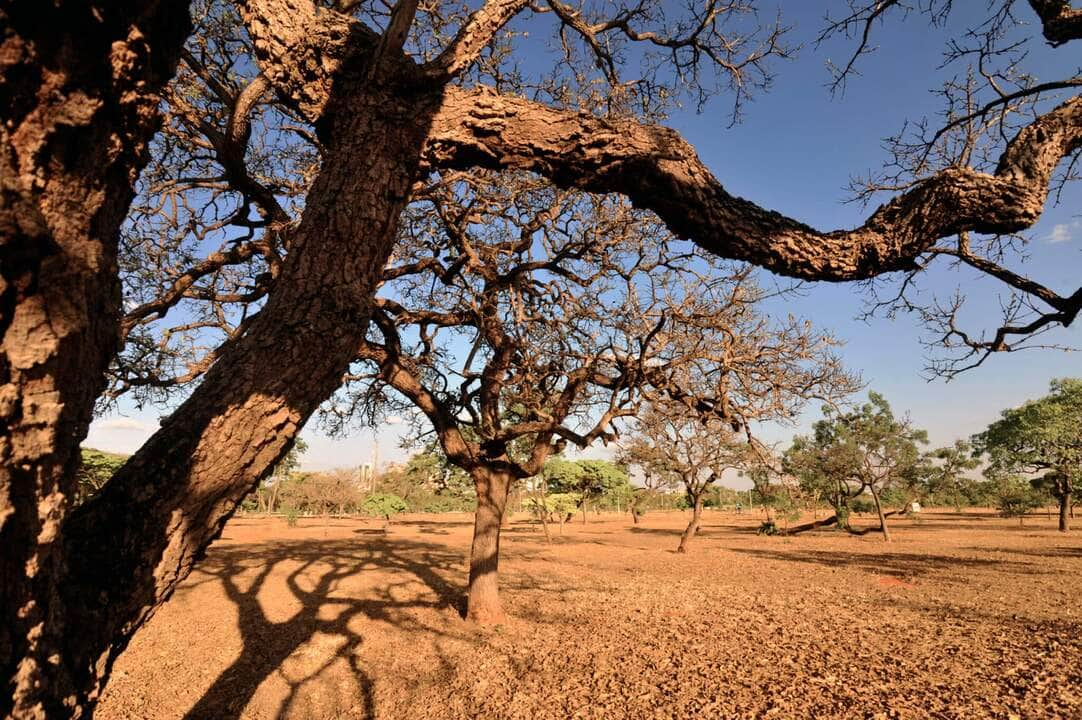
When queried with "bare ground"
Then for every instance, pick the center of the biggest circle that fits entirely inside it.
(963, 616)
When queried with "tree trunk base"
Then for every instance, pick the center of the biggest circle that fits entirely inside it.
(486, 614)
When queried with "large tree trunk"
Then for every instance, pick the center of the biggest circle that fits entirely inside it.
(1065, 511)
(79, 86)
(693, 526)
(483, 600)
(131, 545)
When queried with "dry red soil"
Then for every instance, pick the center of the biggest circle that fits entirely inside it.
(962, 616)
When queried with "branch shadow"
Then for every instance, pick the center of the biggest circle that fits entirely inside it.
(316, 572)
(899, 565)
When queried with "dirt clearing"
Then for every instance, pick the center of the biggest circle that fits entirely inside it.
(962, 616)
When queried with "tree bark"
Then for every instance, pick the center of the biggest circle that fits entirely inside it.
(79, 101)
(142, 534)
(1065, 511)
(693, 526)
(832, 520)
(483, 599)
(882, 518)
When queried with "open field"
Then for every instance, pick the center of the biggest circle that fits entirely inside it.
(962, 616)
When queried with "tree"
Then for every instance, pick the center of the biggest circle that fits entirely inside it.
(81, 91)
(1013, 496)
(384, 505)
(95, 469)
(775, 492)
(429, 482)
(944, 476)
(1041, 435)
(637, 452)
(270, 488)
(865, 450)
(691, 451)
(385, 95)
(586, 479)
(519, 319)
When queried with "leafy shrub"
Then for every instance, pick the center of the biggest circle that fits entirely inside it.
(862, 505)
(384, 505)
(1015, 497)
(445, 503)
(292, 514)
(768, 527)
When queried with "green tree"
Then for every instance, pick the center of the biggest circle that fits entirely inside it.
(945, 477)
(1013, 496)
(269, 492)
(95, 469)
(384, 505)
(1041, 436)
(588, 480)
(864, 450)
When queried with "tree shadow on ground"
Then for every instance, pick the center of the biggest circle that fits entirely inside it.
(1052, 552)
(899, 565)
(315, 572)
(440, 527)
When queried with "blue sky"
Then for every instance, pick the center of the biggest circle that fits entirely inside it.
(794, 152)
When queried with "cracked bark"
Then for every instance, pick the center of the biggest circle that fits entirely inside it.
(659, 171)
(80, 101)
(79, 91)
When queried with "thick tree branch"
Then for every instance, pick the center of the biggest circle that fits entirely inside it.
(473, 37)
(1060, 22)
(659, 171)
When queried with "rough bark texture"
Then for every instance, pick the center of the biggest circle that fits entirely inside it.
(79, 86)
(483, 600)
(143, 533)
(128, 548)
(693, 526)
(1065, 512)
(1060, 23)
(659, 171)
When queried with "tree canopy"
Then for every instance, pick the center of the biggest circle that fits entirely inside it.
(864, 450)
(1041, 436)
(296, 134)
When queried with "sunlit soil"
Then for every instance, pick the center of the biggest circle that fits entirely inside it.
(962, 616)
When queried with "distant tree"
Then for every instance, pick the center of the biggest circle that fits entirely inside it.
(1043, 435)
(638, 452)
(270, 488)
(688, 450)
(429, 482)
(777, 493)
(384, 505)
(850, 453)
(95, 469)
(944, 474)
(1013, 496)
(519, 319)
(589, 480)
(547, 506)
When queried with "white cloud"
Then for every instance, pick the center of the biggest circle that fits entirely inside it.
(123, 424)
(1063, 232)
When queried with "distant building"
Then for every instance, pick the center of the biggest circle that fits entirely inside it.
(366, 478)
